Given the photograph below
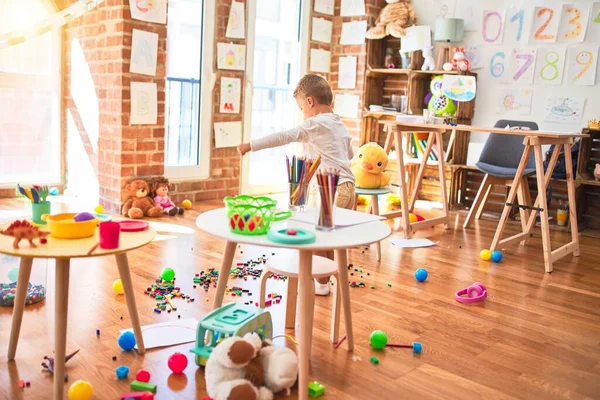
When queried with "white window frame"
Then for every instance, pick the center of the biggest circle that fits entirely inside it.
(207, 83)
(33, 81)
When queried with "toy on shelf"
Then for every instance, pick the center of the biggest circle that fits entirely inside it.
(250, 215)
(160, 194)
(594, 124)
(429, 62)
(23, 230)
(597, 172)
(389, 61)
(473, 294)
(447, 66)
(139, 203)
(229, 320)
(368, 166)
(393, 18)
(54, 191)
(439, 103)
(459, 61)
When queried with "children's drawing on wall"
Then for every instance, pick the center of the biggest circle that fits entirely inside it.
(236, 25)
(144, 52)
(545, 24)
(149, 10)
(492, 26)
(593, 31)
(144, 104)
(230, 95)
(522, 65)
(324, 6)
(470, 11)
(231, 56)
(498, 63)
(574, 22)
(321, 30)
(474, 55)
(550, 66)
(459, 87)
(353, 32)
(582, 62)
(516, 25)
(444, 8)
(514, 100)
(347, 75)
(565, 110)
(351, 8)
(320, 60)
(228, 134)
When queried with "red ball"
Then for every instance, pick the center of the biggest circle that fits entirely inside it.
(142, 376)
(177, 362)
(43, 240)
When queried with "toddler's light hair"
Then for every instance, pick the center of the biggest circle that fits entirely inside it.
(314, 86)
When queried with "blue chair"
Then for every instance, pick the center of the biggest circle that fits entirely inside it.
(499, 160)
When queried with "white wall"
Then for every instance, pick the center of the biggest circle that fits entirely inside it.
(485, 110)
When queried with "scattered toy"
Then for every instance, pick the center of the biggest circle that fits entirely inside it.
(80, 390)
(177, 362)
(316, 389)
(117, 287)
(421, 275)
(168, 275)
(142, 386)
(127, 341)
(137, 396)
(485, 255)
(374, 360)
(473, 294)
(142, 376)
(496, 256)
(416, 346)
(335, 346)
(99, 209)
(53, 191)
(187, 204)
(50, 365)
(97, 332)
(122, 371)
(378, 339)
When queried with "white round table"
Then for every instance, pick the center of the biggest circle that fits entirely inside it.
(216, 223)
(62, 250)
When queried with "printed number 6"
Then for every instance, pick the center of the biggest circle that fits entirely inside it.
(497, 68)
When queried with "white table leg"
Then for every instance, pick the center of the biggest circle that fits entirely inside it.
(342, 261)
(19, 305)
(61, 310)
(306, 306)
(224, 273)
(125, 275)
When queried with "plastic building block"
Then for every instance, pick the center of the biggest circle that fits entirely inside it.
(315, 389)
(138, 396)
(122, 372)
(374, 360)
(143, 386)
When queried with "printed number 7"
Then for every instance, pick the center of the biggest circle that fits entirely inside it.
(528, 62)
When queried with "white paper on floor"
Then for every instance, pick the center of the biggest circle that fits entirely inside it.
(168, 333)
(341, 217)
(408, 243)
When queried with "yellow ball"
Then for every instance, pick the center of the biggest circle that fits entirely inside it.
(99, 209)
(80, 390)
(412, 218)
(187, 204)
(485, 255)
(118, 286)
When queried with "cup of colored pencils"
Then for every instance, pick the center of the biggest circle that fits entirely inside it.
(300, 171)
(328, 181)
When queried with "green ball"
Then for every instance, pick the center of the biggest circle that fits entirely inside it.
(378, 339)
(13, 274)
(168, 274)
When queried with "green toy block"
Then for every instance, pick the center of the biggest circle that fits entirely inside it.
(374, 360)
(315, 389)
(143, 386)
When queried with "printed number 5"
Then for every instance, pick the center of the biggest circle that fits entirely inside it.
(497, 68)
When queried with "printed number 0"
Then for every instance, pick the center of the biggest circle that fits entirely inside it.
(484, 27)
(574, 21)
(550, 64)
(497, 68)
(538, 33)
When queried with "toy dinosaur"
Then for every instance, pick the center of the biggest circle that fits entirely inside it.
(23, 230)
(50, 366)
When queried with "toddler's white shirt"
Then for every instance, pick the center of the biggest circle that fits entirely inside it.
(323, 135)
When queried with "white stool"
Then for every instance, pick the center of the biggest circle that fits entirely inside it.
(373, 207)
(321, 268)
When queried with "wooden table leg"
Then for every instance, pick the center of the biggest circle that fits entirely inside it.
(19, 305)
(342, 261)
(306, 287)
(375, 211)
(61, 308)
(419, 179)
(224, 273)
(478, 203)
(440, 145)
(539, 167)
(335, 310)
(292, 298)
(572, 200)
(404, 220)
(125, 275)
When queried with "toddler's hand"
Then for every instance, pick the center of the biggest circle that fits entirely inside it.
(243, 148)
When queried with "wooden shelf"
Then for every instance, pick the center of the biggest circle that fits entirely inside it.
(440, 72)
(589, 182)
(387, 71)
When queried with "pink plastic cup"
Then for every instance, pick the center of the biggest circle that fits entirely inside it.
(109, 235)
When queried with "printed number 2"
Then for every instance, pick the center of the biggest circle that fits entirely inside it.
(520, 16)
(497, 68)
(539, 34)
(528, 62)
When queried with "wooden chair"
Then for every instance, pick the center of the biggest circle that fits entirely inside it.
(499, 160)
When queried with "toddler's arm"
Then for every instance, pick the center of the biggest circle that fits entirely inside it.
(297, 134)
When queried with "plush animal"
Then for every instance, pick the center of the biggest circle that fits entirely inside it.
(459, 61)
(368, 166)
(597, 172)
(280, 368)
(139, 203)
(393, 18)
(429, 62)
(160, 194)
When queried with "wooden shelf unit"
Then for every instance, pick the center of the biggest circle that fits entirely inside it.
(587, 188)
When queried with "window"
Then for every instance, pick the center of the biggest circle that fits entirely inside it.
(30, 145)
(189, 94)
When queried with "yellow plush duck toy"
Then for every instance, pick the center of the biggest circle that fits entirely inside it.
(368, 167)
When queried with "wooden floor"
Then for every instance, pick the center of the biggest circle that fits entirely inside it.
(537, 336)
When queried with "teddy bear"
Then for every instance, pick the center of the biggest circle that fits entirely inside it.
(393, 18)
(160, 194)
(459, 61)
(248, 368)
(428, 63)
(368, 166)
(139, 203)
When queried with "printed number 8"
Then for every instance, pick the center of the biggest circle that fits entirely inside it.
(550, 64)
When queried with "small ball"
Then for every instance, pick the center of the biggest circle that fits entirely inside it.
(80, 390)
(127, 341)
(378, 339)
(122, 372)
(168, 274)
(497, 256)
(485, 255)
(83, 216)
(142, 376)
(53, 191)
(412, 218)
(99, 209)
(43, 240)
(187, 204)
(13, 274)
(118, 287)
(421, 275)
(177, 362)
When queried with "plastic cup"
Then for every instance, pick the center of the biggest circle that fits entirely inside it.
(298, 196)
(325, 211)
(109, 235)
(561, 217)
(39, 209)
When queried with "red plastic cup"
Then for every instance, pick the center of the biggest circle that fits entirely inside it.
(109, 235)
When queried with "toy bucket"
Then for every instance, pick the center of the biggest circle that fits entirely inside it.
(39, 209)
(64, 226)
(250, 215)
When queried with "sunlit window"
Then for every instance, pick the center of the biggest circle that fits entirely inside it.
(30, 149)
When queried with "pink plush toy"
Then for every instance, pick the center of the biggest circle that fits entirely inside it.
(597, 172)
(160, 190)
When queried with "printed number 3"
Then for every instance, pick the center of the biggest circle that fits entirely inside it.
(573, 33)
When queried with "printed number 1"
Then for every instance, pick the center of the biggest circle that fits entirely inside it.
(519, 16)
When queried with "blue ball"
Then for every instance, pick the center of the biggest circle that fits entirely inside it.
(127, 341)
(122, 372)
(53, 191)
(497, 256)
(421, 275)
